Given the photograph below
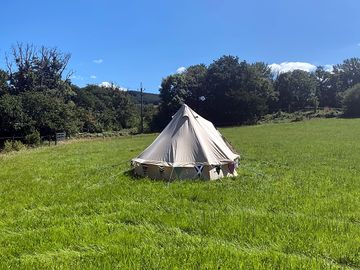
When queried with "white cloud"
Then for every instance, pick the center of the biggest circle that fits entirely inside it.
(122, 88)
(93, 77)
(358, 44)
(112, 85)
(106, 84)
(98, 61)
(181, 70)
(290, 66)
(329, 68)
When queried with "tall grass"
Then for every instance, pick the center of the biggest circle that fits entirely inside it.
(294, 205)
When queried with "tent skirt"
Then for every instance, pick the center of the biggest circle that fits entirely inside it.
(206, 172)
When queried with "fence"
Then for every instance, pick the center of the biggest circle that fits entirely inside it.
(61, 136)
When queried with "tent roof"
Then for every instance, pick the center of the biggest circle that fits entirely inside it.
(187, 140)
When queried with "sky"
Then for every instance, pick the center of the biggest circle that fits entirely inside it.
(129, 42)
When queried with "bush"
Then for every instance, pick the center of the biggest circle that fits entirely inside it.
(351, 103)
(281, 117)
(33, 139)
(10, 146)
(7, 146)
(18, 145)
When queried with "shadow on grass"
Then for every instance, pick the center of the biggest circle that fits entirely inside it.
(134, 177)
(131, 174)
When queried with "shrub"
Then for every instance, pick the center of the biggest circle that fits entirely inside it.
(351, 103)
(18, 145)
(13, 146)
(7, 146)
(33, 139)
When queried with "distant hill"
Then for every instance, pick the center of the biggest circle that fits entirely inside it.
(148, 98)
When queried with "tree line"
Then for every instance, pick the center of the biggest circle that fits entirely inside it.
(232, 92)
(37, 97)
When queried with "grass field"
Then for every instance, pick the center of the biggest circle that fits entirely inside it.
(294, 205)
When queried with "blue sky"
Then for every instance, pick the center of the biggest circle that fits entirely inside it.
(128, 42)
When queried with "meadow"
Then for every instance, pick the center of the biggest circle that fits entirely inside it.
(294, 205)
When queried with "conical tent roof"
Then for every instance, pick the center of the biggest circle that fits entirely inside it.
(187, 140)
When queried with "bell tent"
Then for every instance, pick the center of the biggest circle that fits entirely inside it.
(189, 147)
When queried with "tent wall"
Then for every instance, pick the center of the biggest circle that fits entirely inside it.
(170, 173)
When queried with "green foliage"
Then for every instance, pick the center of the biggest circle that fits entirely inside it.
(351, 101)
(326, 88)
(347, 73)
(285, 117)
(294, 205)
(237, 92)
(13, 119)
(10, 146)
(4, 87)
(148, 98)
(104, 108)
(234, 98)
(18, 145)
(149, 113)
(227, 92)
(36, 96)
(39, 69)
(33, 139)
(297, 89)
(50, 114)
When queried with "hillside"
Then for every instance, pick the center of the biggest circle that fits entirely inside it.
(295, 204)
(148, 98)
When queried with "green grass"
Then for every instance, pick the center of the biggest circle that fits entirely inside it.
(294, 205)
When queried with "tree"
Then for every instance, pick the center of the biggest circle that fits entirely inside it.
(348, 73)
(104, 108)
(297, 89)
(4, 87)
(239, 92)
(325, 88)
(50, 114)
(39, 69)
(196, 89)
(173, 92)
(225, 80)
(227, 92)
(262, 83)
(351, 101)
(13, 120)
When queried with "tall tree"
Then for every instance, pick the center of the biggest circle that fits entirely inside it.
(227, 92)
(13, 120)
(240, 92)
(50, 114)
(225, 81)
(104, 108)
(261, 81)
(348, 73)
(39, 69)
(196, 90)
(351, 101)
(326, 89)
(173, 92)
(4, 87)
(297, 89)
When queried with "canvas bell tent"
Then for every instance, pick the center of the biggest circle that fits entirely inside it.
(189, 147)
